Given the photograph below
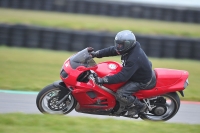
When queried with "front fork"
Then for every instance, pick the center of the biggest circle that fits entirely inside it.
(64, 91)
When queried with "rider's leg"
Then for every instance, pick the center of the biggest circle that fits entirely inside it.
(124, 95)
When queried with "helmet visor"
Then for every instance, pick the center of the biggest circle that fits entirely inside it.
(119, 45)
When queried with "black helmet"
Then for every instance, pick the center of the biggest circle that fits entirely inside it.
(124, 41)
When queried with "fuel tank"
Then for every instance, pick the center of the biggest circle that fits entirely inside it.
(109, 68)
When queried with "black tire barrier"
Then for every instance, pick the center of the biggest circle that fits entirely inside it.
(38, 5)
(107, 40)
(48, 37)
(33, 37)
(17, 36)
(74, 40)
(48, 6)
(63, 40)
(110, 8)
(195, 51)
(79, 40)
(4, 34)
(95, 40)
(155, 46)
(169, 47)
(184, 48)
(16, 4)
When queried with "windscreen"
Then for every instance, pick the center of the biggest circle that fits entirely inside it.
(82, 58)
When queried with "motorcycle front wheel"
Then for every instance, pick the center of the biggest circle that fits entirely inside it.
(164, 111)
(48, 98)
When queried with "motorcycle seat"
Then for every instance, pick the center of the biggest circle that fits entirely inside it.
(153, 81)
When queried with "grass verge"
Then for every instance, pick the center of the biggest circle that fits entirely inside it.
(101, 23)
(19, 123)
(32, 69)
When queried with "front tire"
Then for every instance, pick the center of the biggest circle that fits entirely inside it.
(171, 108)
(49, 96)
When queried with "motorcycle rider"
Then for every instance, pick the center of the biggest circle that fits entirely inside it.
(136, 70)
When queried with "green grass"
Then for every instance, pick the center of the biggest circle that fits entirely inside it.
(32, 123)
(32, 69)
(101, 23)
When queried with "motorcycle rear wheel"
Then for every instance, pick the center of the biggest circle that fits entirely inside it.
(48, 97)
(172, 105)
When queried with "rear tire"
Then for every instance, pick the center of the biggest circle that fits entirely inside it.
(48, 97)
(172, 106)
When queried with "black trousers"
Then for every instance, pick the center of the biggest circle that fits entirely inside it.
(125, 93)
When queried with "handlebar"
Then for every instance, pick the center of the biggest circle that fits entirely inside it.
(95, 75)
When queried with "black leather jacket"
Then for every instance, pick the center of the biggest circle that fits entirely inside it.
(136, 65)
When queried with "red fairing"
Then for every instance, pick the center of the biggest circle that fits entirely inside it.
(90, 96)
(72, 74)
(82, 90)
(168, 80)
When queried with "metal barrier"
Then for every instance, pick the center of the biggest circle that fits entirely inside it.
(108, 8)
(74, 40)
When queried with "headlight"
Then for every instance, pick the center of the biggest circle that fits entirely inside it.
(63, 74)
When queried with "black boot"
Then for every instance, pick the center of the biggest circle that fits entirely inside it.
(136, 108)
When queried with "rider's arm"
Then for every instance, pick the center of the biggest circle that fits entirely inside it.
(124, 75)
(110, 51)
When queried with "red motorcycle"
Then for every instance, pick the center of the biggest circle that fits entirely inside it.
(77, 90)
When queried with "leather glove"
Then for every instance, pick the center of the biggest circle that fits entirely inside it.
(90, 49)
(101, 80)
(94, 54)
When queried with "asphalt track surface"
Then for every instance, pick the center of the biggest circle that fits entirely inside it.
(24, 102)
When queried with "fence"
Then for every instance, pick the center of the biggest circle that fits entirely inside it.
(119, 9)
(74, 40)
